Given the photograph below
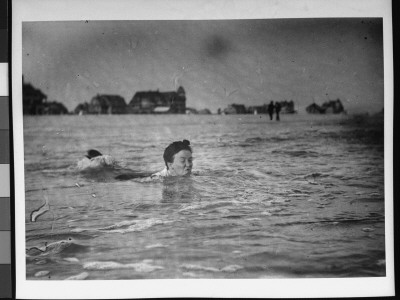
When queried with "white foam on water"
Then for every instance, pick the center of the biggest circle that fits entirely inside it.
(147, 261)
(142, 267)
(368, 229)
(146, 268)
(231, 268)
(80, 276)
(118, 225)
(199, 268)
(381, 262)
(297, 195)
(71, 259)
(137, 225)
(126, 226)
(189, 274)
(42, 273)
(190, 207)
(266, 213)
(155, 246)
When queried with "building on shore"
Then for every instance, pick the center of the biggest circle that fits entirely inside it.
(191, 111)
(82, 109)
(329, 107)
(333, 107)
(107, 104)
(35, 102)
(54, 108)
(260, 109)
(151, 102)
(204, 111)
(287, 107)
(314, 109)
(235, 109)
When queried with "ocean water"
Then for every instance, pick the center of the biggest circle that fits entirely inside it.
(299, 198)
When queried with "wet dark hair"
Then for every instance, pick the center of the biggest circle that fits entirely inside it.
(174, 148)
(93, 153)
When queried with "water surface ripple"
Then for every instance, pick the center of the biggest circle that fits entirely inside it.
(303, 197)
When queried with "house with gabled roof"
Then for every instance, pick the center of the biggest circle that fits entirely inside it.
(156, 102)
(107, 104)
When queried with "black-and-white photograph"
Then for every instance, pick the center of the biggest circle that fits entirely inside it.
(204, 149)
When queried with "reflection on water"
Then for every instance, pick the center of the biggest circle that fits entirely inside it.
(303, 197)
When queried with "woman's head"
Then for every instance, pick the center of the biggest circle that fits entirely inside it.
(178, 158)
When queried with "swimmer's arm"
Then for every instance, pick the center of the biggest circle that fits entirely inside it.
(132, 175)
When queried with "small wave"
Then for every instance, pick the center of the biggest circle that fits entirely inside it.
(132, 226)
(381, 262)
(71, 259)
(42, 273)
(52, 248)
(190, 207)
(207, 206)
(40, 261)
(297, 153)
(199, 268)
(277, 200)
(368, 200)
(315, 175)
(334, 221)
(143, 267)
(46, 166)
(60, 236)
(188, 274)
(257, 139)
(253, 140)
(297, 195)
(229, 268)
(233, 216)
(63, 246)
(155, 246)
(361, 185)
(80, 276)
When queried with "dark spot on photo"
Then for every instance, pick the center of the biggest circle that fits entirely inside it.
(217, 46)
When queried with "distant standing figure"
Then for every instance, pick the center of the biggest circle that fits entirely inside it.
(271, 110)
(277, 110)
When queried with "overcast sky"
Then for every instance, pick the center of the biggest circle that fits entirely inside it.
(217, 62)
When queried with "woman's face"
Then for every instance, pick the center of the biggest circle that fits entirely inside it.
(182, 164)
